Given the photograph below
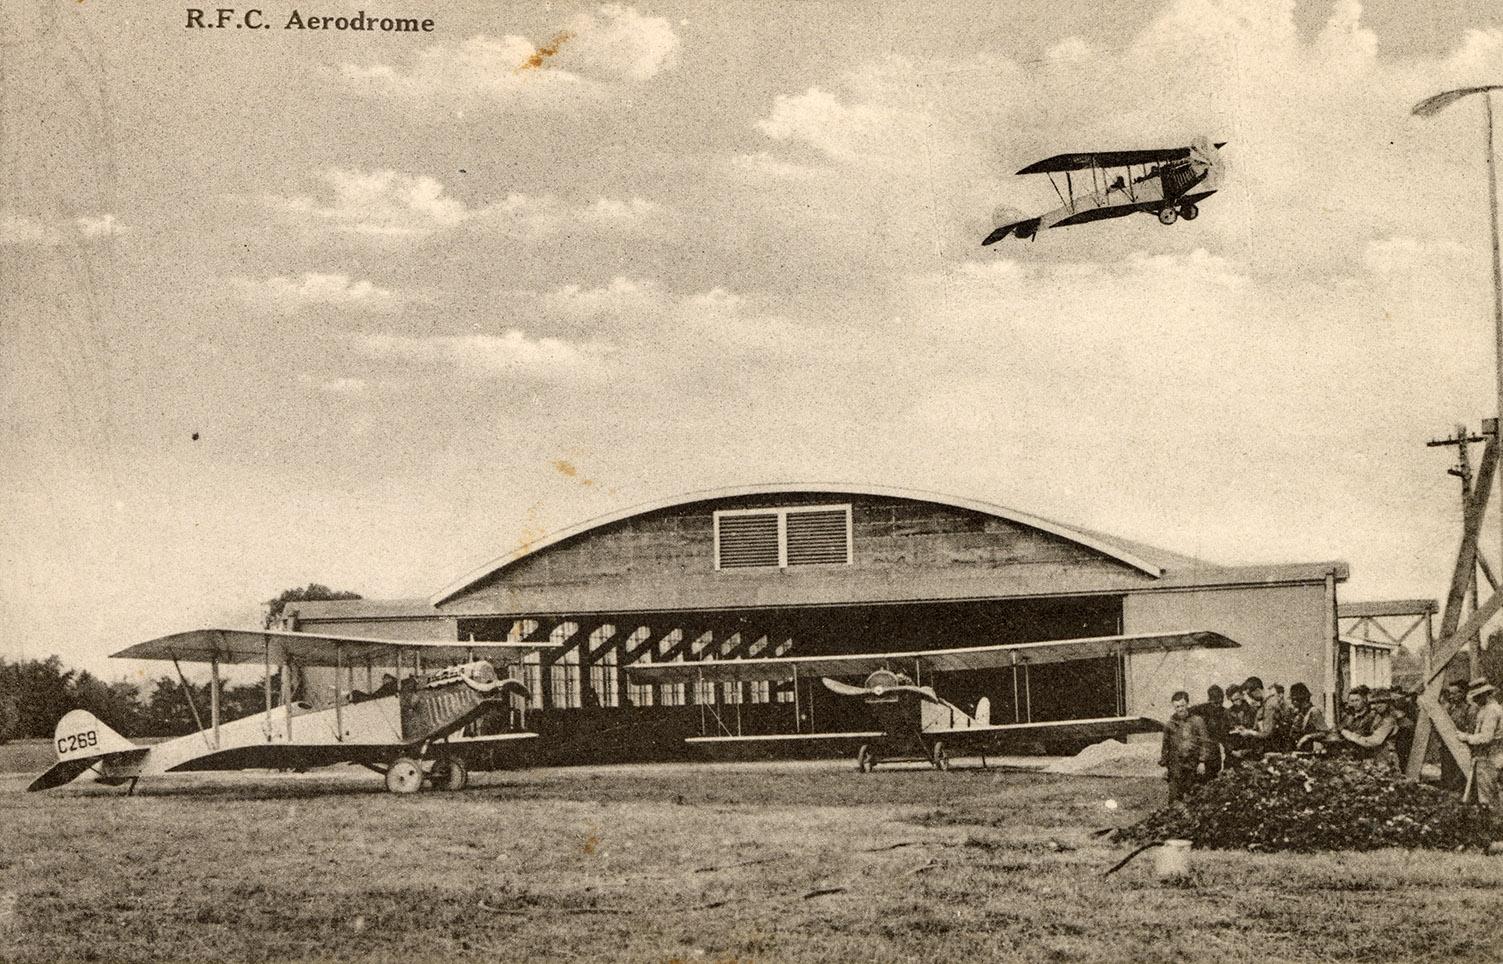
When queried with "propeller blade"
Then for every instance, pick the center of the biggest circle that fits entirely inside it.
(844, 689)
(922, 692)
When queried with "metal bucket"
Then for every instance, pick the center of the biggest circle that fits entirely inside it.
(1172, 860)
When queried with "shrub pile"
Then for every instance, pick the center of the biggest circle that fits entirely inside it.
(1305, 804)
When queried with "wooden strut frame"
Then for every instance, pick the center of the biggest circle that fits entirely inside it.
(1456, 636)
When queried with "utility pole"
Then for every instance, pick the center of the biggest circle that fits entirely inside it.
(1428, 108)
(1462, 441)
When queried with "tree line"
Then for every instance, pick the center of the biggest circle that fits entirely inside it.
(35, 693)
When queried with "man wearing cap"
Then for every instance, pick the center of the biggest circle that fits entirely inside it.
(1264, 733)
(1369, 734)
(1187, 747)
(1486, 742)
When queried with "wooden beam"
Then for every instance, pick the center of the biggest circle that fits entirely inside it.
(1487, 571)
(1449, 647)
(681, 648)
(1386, 607)
(1432, 716)
(747, 641)
(597, 652)
(647, 644)
(1466, 556)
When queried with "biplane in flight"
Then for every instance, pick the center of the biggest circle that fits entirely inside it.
(416, 728)
(1167, 183)
(913, 722)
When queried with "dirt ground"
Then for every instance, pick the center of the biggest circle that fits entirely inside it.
(682, 863)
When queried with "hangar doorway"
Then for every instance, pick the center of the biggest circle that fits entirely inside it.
(1056, 691)
(586, 708)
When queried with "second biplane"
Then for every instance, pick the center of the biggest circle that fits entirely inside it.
(913, 722)
(1167, 183)
(417, 728)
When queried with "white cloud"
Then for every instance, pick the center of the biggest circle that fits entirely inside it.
(100, 227)
(513, 353)
(842, 129)
(595, 54)
(289, 296)
(1072, 49)
(389, 206)
(619, 44)
(379, 204)
(344, 386)
(20, 230)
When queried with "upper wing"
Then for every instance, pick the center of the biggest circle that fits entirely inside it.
(1025, 228)
(310, 649)
(1077, 162)
(930, 661)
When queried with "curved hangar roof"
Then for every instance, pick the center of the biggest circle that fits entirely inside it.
(1139, 564)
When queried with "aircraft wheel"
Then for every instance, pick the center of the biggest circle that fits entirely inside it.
(405, 775)
(865, 761)
(456, 776)
(1168, 216)
(1189, 212)
(939, 757)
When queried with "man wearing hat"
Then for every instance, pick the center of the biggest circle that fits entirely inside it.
(1486, 742)
(1372, 727)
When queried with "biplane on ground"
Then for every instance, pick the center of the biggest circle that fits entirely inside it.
(1167, 183)
(415, 728)
(912, 721)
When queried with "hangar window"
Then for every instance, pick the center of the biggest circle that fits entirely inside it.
(818, 535)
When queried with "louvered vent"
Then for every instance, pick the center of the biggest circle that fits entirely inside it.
(747, 540)
(818, 538)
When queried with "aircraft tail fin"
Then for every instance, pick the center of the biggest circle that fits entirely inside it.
(80, 740)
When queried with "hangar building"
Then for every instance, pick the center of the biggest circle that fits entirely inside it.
(794, 570)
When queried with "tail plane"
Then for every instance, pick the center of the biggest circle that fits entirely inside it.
(82, 742)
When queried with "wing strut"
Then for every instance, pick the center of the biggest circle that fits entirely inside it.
(214, 696)
(266, 686)
(795, 699)
(338, 702)
(188, 695)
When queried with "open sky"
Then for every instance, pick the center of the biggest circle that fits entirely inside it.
(370, 309)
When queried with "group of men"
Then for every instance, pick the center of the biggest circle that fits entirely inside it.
(1247, 721)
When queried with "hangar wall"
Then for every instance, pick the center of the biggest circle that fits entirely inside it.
(902, 550)
(1286, 632)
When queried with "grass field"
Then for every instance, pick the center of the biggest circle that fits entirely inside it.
(26, 756)
(797, 862)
